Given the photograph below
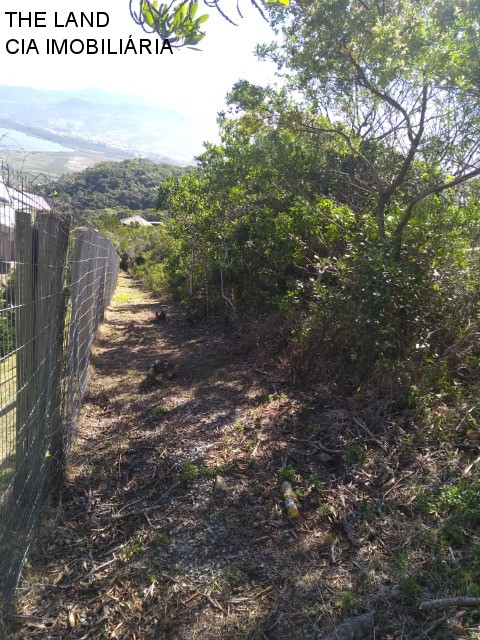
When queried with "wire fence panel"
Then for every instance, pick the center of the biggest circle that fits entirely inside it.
(93, 276)
(57, 277)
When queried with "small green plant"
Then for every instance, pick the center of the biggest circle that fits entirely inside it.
(6, 475)
(413, 396)
(315, 611)
(189, 471)
(354, 453)
(367, 577)
(209, 472)
(346, 600)
(278, 395)
(316, 481)
(234, 577)
(122, 297)
(409, 587)
(365, 508)
(160, 539)
(406, 559)
(159, 410)
(239, 426)
(325, 509)
(7, 333)
(286, 474)
(452, 534)
(257, 489)
(475, 551)
(459, 500)
(299, 492)
(135, 548)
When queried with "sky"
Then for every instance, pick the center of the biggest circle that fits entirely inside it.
(193, 83)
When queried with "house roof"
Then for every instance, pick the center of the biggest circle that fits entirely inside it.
(136, 220)
(21, 200)
(12, 200)
(4, 197)
(7, 215)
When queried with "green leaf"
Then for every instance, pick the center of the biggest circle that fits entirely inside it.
(194, 39)
(177, 19)
(192, 10)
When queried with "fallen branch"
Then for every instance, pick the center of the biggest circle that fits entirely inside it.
(449, 602)
(142, 512)
(468, 468)
(214, 603)
(97, 569)
(363, 426)
(436, 624)
(320, 447)
(31, 621)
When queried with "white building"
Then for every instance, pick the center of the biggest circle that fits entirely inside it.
(136, 221)
(11, 201)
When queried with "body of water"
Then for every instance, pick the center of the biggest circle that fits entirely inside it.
(12, 140)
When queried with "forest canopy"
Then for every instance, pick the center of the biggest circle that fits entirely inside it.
(125, 185)
(397, 82)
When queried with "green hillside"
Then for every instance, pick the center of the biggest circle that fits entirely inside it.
(128, 184)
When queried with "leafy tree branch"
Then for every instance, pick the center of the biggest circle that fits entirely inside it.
(177, 21)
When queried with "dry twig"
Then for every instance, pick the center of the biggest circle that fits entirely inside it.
(436, 624)
(426, 605)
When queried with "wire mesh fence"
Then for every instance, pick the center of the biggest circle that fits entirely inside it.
(57, 277)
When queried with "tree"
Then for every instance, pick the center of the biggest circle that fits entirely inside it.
(177, 20)
(252, 221)
(398, 82)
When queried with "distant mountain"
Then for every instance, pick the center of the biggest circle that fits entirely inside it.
(93, 119)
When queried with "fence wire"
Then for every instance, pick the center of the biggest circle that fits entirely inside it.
(57, 277)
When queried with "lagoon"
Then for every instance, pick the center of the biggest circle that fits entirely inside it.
(12, 140)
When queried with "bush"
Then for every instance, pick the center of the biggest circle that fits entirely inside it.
(7, 316)
(152, 275)
(7, 331)
(409, 319)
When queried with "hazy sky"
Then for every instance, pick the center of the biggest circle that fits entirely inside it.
(192, 82)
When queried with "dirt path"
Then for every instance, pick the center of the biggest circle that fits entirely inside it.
(149, 542)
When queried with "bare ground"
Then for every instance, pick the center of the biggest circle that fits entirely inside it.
(172, 523)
